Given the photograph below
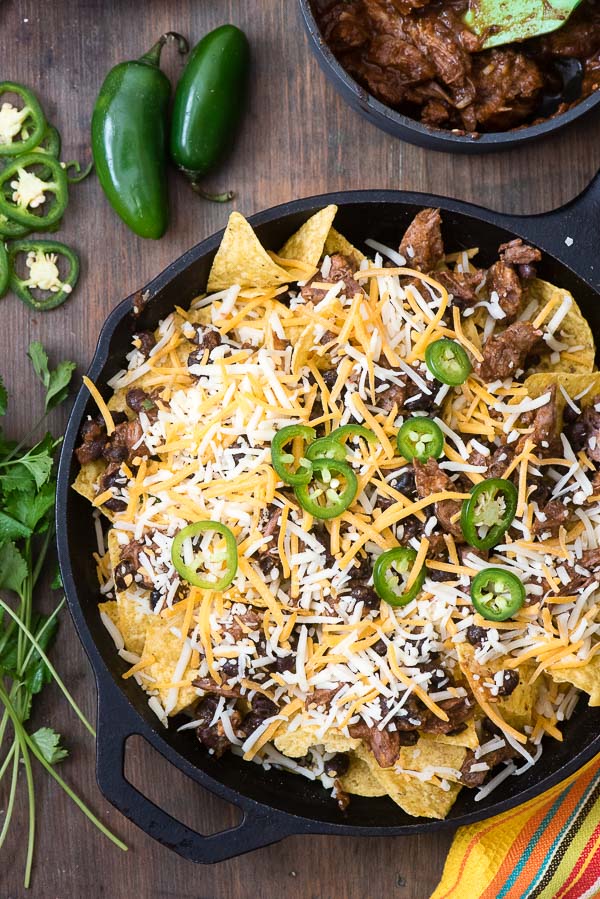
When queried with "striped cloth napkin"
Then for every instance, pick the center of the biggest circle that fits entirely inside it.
(548, 848)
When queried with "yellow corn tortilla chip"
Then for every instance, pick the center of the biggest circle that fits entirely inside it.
(586, 678)
(430, 751)
(573, 385)
(573, 330)
(241, 259)
(416, 797)
(467, 738)
(337, 243)
(518, 708)
(110, 608)
(307, 244)
(296, 743)
(359, 780)
(87, 479)
(134, 610)
(166, 648)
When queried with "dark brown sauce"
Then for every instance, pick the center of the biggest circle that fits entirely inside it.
(418, 57)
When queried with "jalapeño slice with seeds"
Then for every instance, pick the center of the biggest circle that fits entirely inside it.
(392, 570)
(187, 558)
(282, 460)
(497, 594)
(420, 438)
(448, 362)
(489, 512)
(332, 489)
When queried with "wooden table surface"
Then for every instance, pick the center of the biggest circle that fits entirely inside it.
(298, 139)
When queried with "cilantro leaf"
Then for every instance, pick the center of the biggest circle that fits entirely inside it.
(17, 477)
(57, 583)
(31, 508)
(48, 742)
(13, 568)
(12, 529)
(9, 641)
(56, 381)
(58, 387)
(39, 360)
(3, 398)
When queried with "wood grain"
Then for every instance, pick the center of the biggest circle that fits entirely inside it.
(298, 139)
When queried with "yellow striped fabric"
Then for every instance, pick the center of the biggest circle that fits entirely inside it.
(548, 848)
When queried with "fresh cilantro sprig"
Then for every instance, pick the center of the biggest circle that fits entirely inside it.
(27, 496)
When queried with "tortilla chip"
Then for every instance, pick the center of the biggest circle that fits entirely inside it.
(296, 743)
(307, 244)
(337, 243)
(573, 385)
(467, 738)
(110, 608)
(87, 478)
(518, 708)
(574, 331)
(586, 678)
(430, 751)
(359, 780)
(134, 610)
(241, 259)
(416, 797)
(166, 649)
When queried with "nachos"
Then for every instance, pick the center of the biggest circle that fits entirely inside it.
(347, 512)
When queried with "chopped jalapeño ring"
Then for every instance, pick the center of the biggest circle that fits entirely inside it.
(392, 570)
(448, 362)
(497, 594)
(332, 489)
(21, 129)
(282, 460)
(22, 191)
(326, 448)
(420, 438)
(353, 430)
(489, 512)
(41, 262)
(187, 559)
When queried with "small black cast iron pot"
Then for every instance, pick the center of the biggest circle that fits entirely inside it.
(276, 804)
(415, 132)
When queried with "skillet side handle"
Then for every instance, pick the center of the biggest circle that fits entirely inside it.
(256, 830)
(571, 233)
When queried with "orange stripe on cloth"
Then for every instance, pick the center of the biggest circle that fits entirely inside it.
(484, 857)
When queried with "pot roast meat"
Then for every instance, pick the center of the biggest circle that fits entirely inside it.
(429, 478)
(384, 744)
(504, 281)
(422, 245)
(462, 286)
(584, 432)
(213, 736)
(515, 252)
(507, 352)
(342, 269)
(471, 778)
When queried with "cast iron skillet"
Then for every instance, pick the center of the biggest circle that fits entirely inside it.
(277, 804)
(415, 132)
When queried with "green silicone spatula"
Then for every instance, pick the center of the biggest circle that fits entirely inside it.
(504, 21)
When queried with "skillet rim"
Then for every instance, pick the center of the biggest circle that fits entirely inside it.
(109, 689)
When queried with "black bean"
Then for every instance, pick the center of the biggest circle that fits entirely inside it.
(337, 765)
(476, 635)
(510, 682)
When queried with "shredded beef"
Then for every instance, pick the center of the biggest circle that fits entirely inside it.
(503, 280)
(262, 708)
(584, 432)
(556, 515)
(213, 736)
(507, 352)
(342, 269)
(422, 245)
(384, 744)
(462, 286)
(544, 424)
(471, 778)
(459, 711)
(122, 445)
(589, 561)
(93, 434)
(515, 252)
(429, 478)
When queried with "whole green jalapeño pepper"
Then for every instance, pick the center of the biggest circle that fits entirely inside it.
(209, 100)
(21, 129)
(4, 269)
(129, 140)
(187, 559)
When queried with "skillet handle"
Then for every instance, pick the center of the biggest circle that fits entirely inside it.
(258, 828)
(571, 233)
